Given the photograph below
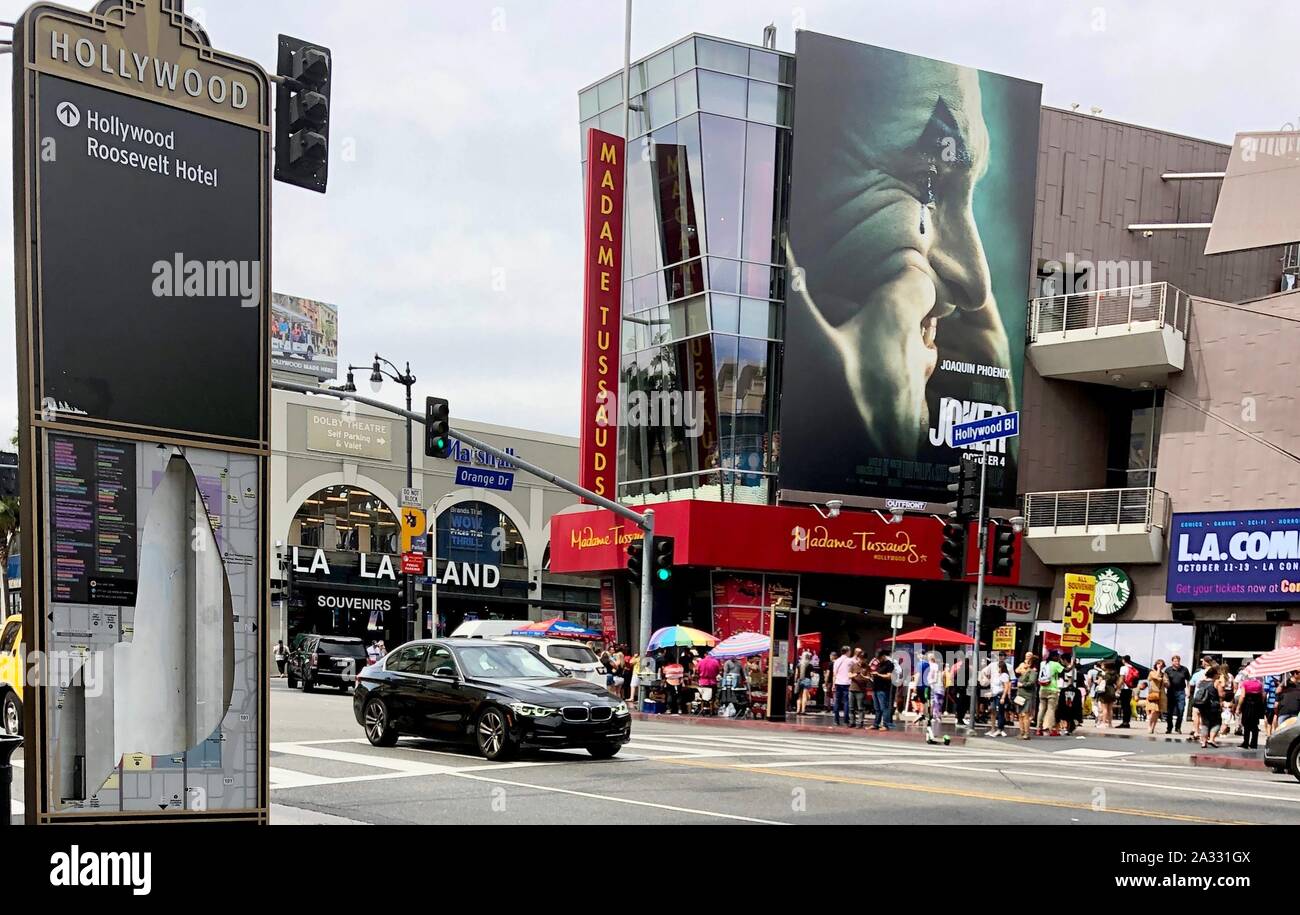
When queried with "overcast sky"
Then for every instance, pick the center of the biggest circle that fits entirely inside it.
(452, 237)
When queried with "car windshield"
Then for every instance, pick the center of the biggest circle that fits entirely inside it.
(572, 654)
(503, 662)
(341, 648)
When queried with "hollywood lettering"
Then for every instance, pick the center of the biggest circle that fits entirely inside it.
(146, 70)
(383, 568)
(602, 311)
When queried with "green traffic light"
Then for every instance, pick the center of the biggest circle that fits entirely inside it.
(665, 574)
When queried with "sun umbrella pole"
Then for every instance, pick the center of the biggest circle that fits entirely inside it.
(972, 675)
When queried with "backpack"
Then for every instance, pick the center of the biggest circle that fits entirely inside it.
(1130, 676)
(1045, 675)
(1205, 693)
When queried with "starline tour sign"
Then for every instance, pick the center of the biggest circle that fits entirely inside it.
(1235, 557)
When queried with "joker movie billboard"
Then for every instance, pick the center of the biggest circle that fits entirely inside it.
(1250, 557)
(911, 223)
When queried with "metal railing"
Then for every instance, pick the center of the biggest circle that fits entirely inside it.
(1097, 510)
(1126, 305)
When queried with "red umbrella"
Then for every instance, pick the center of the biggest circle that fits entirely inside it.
(935, 635)
(1278, 661)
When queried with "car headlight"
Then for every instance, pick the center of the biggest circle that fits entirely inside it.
(531, 711)
(621, 710)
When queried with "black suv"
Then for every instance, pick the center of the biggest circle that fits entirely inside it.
(326, 660)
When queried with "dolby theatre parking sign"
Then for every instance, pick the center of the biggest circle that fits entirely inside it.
(1248, 557)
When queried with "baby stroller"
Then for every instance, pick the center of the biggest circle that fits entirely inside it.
(733, 699)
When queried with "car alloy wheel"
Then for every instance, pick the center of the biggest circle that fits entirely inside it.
(378, 731)
(493, 736)
(13, 716)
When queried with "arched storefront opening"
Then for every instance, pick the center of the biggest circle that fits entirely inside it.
(476, 534)
(345, 518)
(342, 574)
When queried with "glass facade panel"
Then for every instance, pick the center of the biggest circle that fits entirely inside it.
(760, 197)
(345, 519)
(723, 142)
(609, 121)
(636, 79)
(721, 94)
(785, 107)
(583, 128)
(764, 65)
(725, 359)
(751, 424)
(762, 102)
(688, 135)
(684, 55)
(685, 279)
(726, 313)
(647, 292)
(757, 281)
(697, 316)
(755, 318)
(718, 55)
(610, 92)
(687, 100)
(638, 118)
(787, 70)
(588, 105)
(661, 105)
(476, 532)
(642, 233)
(724, 276)
(660, 68)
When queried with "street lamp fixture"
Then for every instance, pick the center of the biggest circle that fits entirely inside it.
(833, 509)
(1019, 523)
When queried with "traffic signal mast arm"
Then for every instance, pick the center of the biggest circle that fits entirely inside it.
(595, 498)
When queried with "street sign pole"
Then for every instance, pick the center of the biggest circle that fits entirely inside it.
(972, 675)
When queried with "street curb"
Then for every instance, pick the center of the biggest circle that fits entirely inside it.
(1210, 761)
(754, 725)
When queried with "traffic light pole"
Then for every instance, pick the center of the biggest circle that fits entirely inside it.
(972, 675)
(644, 521)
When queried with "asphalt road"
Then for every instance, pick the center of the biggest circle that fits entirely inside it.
(323, 771)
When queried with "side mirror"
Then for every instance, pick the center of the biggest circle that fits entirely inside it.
(565, 672)
(446, 673)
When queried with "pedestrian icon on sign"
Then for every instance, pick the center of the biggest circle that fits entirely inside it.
(69, 114)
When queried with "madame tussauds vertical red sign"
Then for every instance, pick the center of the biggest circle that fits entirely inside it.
(602, 312)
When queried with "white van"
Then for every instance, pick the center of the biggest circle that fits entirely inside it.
(487, 629)
(573, 656)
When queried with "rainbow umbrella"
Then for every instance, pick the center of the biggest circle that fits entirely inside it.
(680, 637)
(742, 645)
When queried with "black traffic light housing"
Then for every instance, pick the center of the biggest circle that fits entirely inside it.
(635, 556)
(663, 560)
(1004, 549)
(966, 485)
(302, 114)
(953, 562)
(437, 427)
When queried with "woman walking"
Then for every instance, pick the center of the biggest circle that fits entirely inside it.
(1156, 687)
(1000, 699)
(1250, 709)
(1027, 676)
(1208, 702)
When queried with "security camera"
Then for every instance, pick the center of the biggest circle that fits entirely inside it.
(834, 507)
(1148, 234)
(896, 517)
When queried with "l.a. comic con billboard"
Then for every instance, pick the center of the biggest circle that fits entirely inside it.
(143, 331)
(911, 222)
(1247, 557)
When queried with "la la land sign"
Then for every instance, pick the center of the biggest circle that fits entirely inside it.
(381, 567)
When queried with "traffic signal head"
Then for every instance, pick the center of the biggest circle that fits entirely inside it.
(663, 560)
(302, 114)
(1004, 548)
(953, 562)
(635, 555)
(966, 486)
(437, 427)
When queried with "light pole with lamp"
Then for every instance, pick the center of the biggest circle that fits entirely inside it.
(407, 380)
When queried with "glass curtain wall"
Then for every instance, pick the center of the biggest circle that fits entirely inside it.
(704, 279)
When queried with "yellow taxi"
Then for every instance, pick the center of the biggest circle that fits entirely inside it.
(11, 675)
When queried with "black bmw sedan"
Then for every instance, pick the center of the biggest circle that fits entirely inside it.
(499, 696)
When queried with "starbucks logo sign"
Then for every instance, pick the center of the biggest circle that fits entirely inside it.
(1114, 588)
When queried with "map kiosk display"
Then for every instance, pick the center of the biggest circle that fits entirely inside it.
(143, 331)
